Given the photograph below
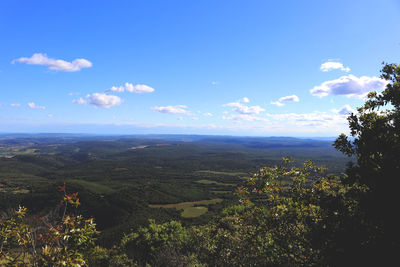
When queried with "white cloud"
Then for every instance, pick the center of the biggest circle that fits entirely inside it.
(324, 120)
(138, 89)
(141, 88)
(103, 100)
(332, 65)
(244, 117)
(208, 114)
(243, 109)
(345, 110)
(55, 64)
(277, 103)
(215, 82)
(178, 109)
(350, 86)
(195, 118)
(15, 105)
(50, 115)
(245, 100)
(79, 101)
(116, 89)
(313, 116)
(289, 98)
(34, 106)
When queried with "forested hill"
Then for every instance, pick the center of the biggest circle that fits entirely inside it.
(117, 177)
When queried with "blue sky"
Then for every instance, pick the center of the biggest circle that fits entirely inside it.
(291, 68)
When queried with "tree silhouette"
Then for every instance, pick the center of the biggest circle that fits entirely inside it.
(375, 143)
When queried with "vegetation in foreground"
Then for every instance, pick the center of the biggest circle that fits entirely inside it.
(117, 183)
(287, 215)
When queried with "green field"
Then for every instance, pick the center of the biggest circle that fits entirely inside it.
(183, 205)
(15, 150)
(221, 192)
(210, 182)
(190, 209)
(93, 187)
(222, 173)
(21, 191)
(193, 212)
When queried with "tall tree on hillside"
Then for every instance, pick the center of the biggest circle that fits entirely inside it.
(375, 142)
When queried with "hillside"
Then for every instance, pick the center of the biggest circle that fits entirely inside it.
(119, 177)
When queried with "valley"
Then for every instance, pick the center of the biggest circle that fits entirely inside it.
(123, 181)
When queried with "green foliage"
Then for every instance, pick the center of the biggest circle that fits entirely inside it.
(117, 183)
(14, 233)
(148, 242)
(284, 219)
(375, 142)
(284, 214)
(102, 257)
(375, 131)
(273, 225)
(47, 242)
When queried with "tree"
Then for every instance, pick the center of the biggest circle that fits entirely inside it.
(285, 218)
(375, 142)
(60, 238)
(159, 244)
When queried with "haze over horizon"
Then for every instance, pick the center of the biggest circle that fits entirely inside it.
(251, 68)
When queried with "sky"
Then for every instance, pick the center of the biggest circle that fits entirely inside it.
(252, 68)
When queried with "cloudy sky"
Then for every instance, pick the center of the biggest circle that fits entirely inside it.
(291, 68)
